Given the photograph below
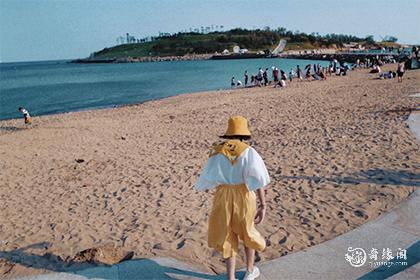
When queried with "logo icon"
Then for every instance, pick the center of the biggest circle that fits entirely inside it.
(356, 257)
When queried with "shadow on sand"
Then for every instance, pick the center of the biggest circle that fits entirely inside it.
(132, 269)
(371, 176)
(11, 128)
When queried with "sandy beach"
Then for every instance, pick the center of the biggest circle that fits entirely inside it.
(339, 153)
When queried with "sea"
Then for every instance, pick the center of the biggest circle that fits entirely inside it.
(52, 87)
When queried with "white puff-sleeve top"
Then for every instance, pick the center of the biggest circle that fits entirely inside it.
(249, 169)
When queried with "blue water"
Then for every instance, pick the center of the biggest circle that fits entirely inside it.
(57, 86)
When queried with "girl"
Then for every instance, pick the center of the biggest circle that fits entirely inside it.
(236, 170)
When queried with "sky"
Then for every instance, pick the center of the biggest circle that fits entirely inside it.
(32, 30)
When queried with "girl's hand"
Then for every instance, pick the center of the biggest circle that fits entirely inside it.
(259, 217)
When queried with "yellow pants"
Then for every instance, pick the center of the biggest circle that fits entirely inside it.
(232, 218)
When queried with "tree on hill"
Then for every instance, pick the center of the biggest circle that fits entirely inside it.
(390, 39)
(369, 39)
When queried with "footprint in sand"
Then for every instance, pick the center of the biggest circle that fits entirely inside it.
(360, 214)
(283, 240)
(180, 244)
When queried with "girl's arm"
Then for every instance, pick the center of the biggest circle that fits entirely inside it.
(259, 217)
(261, 197)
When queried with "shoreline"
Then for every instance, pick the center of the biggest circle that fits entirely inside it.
(338, 153)
(190, 57)
(327, 55)
(115, 107)
(61, 108)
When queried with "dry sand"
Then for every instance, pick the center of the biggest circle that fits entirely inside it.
(339, 153)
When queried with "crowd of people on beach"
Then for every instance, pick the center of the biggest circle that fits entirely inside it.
(317, 72)
(376, 64)
(279, 78)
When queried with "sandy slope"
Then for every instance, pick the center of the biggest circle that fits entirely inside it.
(339, 153)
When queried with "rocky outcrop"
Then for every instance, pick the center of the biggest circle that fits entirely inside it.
(145, 59)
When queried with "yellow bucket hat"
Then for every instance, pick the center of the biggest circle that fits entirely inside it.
(237, 126)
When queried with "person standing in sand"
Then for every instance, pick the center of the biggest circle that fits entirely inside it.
(265, 76)
(299, 73)
(28, 118)
(291, 75)
(246, 77)
(236, 170)
(400, 71)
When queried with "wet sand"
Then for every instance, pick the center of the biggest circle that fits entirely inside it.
(339, 153)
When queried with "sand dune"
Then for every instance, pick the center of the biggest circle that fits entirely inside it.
(339, 154)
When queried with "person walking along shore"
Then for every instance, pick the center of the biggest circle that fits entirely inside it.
(236, 170)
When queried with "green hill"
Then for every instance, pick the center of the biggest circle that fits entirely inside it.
(180, 44)
(194, 43)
